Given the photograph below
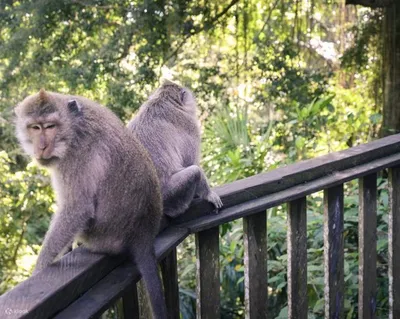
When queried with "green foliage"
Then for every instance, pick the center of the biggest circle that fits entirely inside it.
(25, 202)
(232, 147)
(368, 34)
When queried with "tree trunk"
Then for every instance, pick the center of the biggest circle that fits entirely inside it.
(391, 69)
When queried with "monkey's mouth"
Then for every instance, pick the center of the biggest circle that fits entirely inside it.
(47, 161)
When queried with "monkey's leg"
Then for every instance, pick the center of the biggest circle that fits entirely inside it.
(147, 264)
(178, 193)
(204, 191)
(183, 186)
(59, 237)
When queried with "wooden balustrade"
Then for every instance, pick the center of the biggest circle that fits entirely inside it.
(297, 259)
(367, 247)
(84, 285)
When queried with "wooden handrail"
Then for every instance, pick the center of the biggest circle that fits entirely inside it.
(248, 189)
(83, 285)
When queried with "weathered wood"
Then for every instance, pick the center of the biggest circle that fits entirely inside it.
(96, 301)
(394, 243)
(103, 294)
(130, 302)
(282, 178)
(255, 265)
(334, 252)
(367, 248)
(168, 240)
(297, 259)
(278, 198)
(169, 270)
(207, 275)
(55, 287)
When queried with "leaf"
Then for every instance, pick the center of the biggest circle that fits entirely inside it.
(319, 305)
(376, 118)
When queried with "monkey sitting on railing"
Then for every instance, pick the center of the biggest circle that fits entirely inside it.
(168, 128)
(107, 189)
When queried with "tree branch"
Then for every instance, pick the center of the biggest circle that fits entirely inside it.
(219, 15)
(21, 237)
(197, 31)
(257, 37)
(371, 3)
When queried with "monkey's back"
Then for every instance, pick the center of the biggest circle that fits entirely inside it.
(171, 135)
(121, 176)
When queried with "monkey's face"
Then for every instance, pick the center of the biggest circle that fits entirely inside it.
(42, 133)
(41, 126)
(41, 138)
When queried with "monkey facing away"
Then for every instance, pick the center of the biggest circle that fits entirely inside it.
(168, 128)
(107, 189)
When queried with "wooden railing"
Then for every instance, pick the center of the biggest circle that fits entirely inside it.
(84, 285)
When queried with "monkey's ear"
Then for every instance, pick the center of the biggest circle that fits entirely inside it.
(74, 107)
(183, 95)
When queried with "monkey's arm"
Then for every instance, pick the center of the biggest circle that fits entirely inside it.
(183, 186)
(65, 225)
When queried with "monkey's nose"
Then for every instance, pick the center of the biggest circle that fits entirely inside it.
(42, 143)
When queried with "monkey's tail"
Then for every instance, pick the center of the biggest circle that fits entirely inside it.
(147, 266)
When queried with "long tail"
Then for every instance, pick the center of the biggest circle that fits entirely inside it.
(147, 265)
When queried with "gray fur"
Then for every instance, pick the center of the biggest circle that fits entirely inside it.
(107, 188)
(168, 128)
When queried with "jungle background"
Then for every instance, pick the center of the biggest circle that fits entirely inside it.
(277, 81)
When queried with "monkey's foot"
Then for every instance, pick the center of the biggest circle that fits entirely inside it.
(213, 198)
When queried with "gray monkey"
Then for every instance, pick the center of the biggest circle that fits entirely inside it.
(168, 128)
(107, 189)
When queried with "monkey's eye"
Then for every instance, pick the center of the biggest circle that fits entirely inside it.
(35, 127)
(50, 126)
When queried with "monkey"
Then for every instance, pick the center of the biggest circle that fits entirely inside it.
(107, 190)
(167, 126)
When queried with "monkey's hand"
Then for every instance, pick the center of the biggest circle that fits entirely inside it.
(41, 264)
(213, 198)
(46, 257)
